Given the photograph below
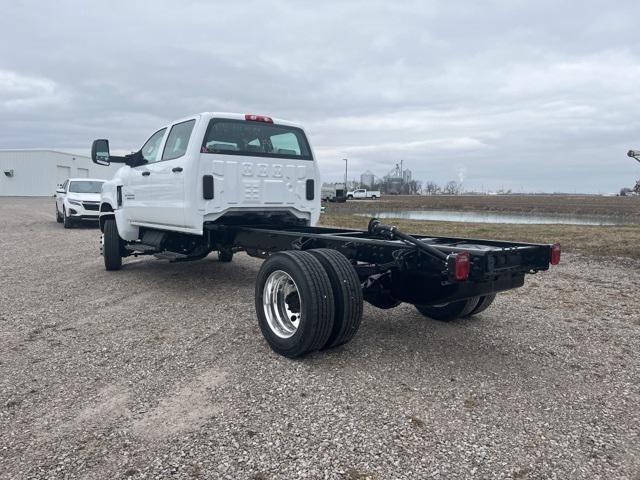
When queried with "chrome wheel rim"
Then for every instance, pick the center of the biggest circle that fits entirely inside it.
(281, 303)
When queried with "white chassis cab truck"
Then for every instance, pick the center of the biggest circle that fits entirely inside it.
(232, 182)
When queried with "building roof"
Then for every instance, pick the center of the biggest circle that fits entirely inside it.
(43, 150)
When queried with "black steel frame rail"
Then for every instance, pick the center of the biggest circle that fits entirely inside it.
(363, 246)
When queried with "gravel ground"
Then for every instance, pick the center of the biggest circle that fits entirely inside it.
(160, 370)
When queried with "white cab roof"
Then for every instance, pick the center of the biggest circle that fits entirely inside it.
(235, 116)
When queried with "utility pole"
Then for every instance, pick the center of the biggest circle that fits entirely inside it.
(346, 163)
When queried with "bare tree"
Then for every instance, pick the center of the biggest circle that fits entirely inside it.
(431, 188)
(412, 187)
(452, 188)
(353, 185)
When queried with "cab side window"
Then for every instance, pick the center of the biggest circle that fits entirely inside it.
(178, 140)
(151, 148)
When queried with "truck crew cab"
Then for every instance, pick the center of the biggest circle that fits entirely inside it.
(210, 167)
(231, 182)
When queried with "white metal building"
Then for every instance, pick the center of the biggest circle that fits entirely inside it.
(37, 172)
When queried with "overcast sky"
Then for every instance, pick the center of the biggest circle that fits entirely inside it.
(536, 95)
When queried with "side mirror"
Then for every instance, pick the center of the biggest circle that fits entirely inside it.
(100, 152)
(60, 190)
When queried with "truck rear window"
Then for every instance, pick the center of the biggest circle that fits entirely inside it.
(256, 139)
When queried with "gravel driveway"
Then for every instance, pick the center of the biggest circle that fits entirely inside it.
(160, 370)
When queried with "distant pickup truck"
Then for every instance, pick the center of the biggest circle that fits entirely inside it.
(362, 193)
(228, 183)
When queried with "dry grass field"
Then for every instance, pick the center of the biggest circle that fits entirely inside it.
(609, 240)
(627, 207)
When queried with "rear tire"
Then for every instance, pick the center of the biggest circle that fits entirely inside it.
(449, 311)
(350, 197)
(347, 295)
(112, 245)
(58, 216)
(225, 255)
(66, 220)
(294, 303)
(484, 303)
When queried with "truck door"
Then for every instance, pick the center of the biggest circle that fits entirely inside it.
(166, 179)
(137, 186)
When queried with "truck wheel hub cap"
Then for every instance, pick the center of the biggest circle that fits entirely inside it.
(281, 304)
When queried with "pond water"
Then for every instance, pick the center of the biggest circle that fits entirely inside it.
(496, 217)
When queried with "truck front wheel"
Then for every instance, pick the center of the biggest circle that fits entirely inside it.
(294, 303)
(449, 311)
(111, 245)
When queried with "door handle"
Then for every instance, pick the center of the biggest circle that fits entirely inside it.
(146, 173)
(176, 169)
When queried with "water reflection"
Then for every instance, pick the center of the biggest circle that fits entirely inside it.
(495, 217)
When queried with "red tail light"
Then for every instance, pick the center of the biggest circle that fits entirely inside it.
(258, 118)
(554, 254)
(462, 265)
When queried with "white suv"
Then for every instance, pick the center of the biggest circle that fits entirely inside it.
(78, 199)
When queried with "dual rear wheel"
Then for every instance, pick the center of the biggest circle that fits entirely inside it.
(462, 308)
(307, 301)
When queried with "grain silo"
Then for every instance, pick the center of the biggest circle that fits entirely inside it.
(367, 179)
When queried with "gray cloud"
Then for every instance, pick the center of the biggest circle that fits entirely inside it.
(527, 95)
